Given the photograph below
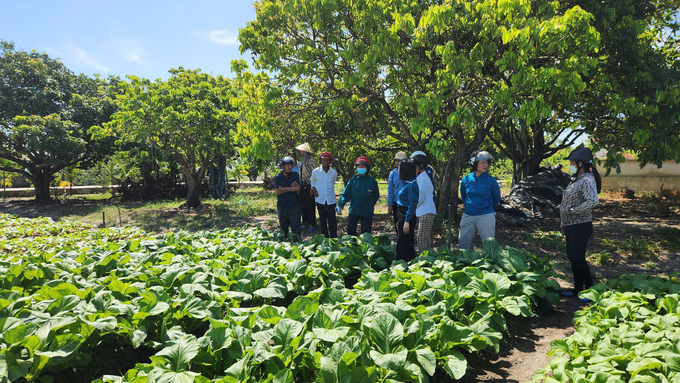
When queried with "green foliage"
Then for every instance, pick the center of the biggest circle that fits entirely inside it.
(629, 334)
(45, 113)
(245, 304)
(189, 117)
(632, 99)
(425, 75)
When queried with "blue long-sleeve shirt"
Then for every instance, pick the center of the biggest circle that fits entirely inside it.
(408, 197)
(394, 184)
(480, 194)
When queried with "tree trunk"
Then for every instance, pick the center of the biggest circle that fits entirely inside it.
(194, 179)
(450, 173)
(41, 183)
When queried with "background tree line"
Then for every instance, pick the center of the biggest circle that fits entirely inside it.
(524, 79)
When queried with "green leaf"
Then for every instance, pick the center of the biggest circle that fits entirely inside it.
(455, 365)
(161, 374)
(285, 331)
(330, 335)
(220, 337)
(426, 359)
(391, 361)
(181, 352)
(386, 332)
(101, 322)
(301, 307)
(269, 314)
(138, 336)
(19, 333)
(12, 367)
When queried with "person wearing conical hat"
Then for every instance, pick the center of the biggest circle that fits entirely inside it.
(307, 202)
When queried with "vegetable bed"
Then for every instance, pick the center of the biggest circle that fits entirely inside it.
(244, 305)
(631, 333)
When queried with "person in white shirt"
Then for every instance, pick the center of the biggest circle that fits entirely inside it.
(426, 210)
(323, 181)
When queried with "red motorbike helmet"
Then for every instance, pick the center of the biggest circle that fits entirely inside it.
(363, 160)
(325, 155)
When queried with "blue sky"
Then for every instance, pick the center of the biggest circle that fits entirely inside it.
(141, 38)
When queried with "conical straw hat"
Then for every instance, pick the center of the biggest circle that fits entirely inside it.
(305, 148)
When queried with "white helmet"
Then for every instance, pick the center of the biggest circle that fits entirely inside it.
(479, 156)
(418, 153)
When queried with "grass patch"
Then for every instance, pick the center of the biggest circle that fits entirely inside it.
(602, 258)
(634, 247)
(548, 240)
(163, 215)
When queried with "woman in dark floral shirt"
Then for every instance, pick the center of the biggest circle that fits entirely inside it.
(576, 217)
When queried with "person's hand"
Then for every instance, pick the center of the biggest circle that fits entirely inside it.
(389, 209)
(562, 229)
(313, 192)
(294, 183)
(406, 228)
(338, 210)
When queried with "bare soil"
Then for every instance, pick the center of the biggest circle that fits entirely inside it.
(628, 238)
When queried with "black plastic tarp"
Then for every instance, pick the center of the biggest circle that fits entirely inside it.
(541, 194)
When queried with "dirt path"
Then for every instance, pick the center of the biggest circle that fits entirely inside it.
(524, 352)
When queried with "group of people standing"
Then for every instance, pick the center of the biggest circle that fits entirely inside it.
(303, 187)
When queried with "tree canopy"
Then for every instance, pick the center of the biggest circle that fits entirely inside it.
(189, 117)
(45, 114)
(432, 74)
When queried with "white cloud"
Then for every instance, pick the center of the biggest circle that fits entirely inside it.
(223, 36)
(133, 52)
(81, 56)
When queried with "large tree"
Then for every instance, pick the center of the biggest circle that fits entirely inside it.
(189, 117)
(436, 72)
(45, 114)
(633, 99)
(272, 123)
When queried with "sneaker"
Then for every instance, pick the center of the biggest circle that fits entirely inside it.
(584, 300)
(567, 293)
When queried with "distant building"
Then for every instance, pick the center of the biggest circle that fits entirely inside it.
(649, 178)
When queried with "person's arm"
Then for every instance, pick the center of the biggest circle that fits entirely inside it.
(421, 187)
(277, 186)
(377, 192)
(295, 186)
(462, 189)
(390, 192)
(495, 193)
(589, 190)
(346, 195)
(313, 182)
(413, 196)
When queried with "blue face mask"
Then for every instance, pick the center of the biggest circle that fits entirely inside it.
(362, 170)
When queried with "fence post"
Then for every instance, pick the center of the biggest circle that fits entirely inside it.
(103, 219)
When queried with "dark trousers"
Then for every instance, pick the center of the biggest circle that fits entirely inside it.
(327, 220)
(289, 216)
(406, 248)
(395, 217)
(307, 205)
(353, 220)
(577, 237)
